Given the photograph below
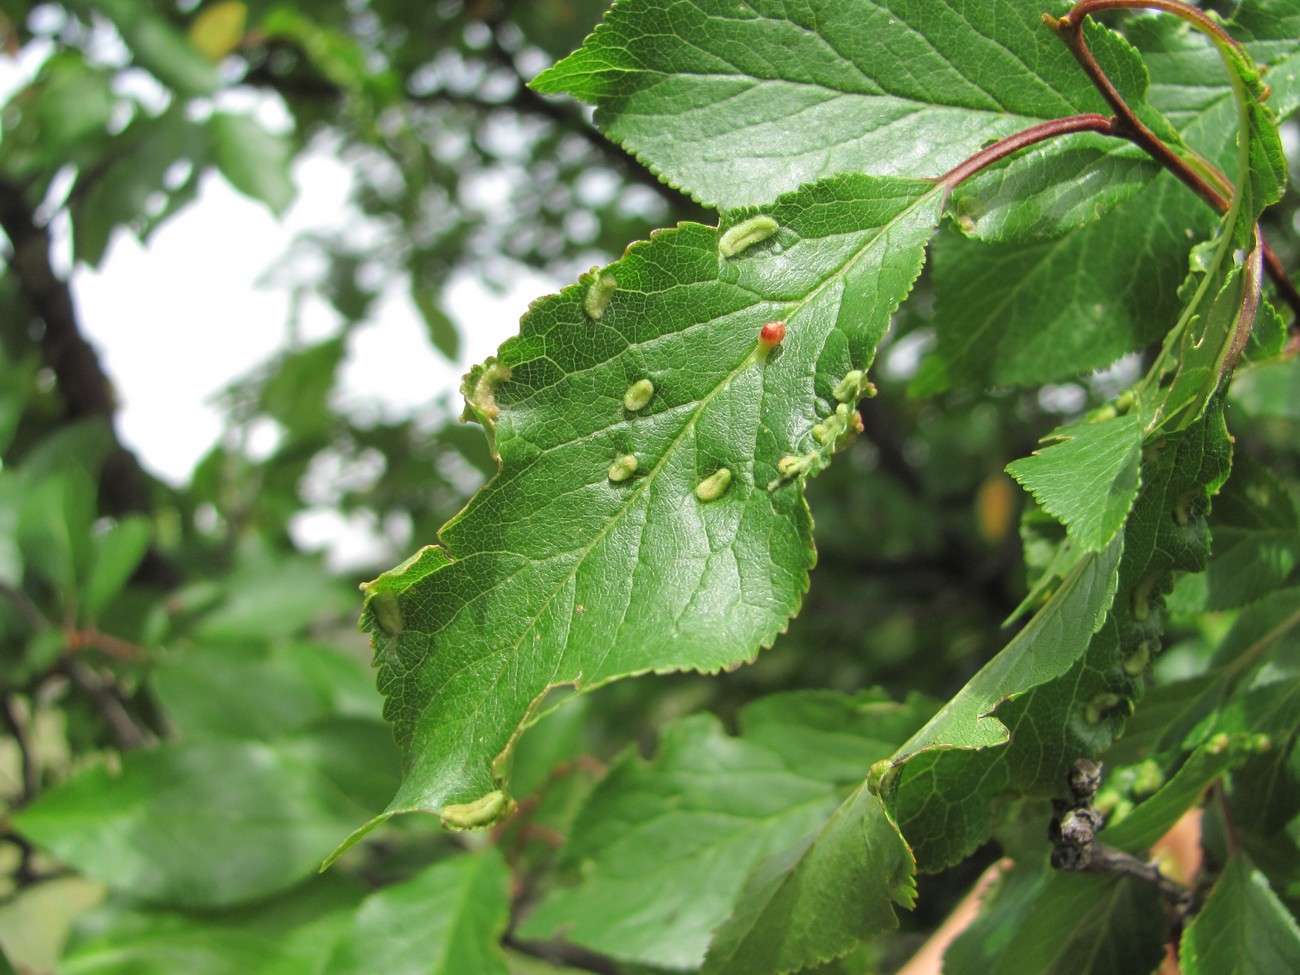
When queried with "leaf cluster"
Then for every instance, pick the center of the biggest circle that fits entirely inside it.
(914, 255)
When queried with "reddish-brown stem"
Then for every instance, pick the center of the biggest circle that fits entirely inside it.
(1178, 8)
(1129, 126)
(1023, 140)
(91, 638)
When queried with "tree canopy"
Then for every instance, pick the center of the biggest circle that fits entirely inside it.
(919, 409)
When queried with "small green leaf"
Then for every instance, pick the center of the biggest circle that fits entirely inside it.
(115, 555)
(134, 177)
(160, 48)
(1089, 479)
(54, 528)
(442, 330)
(1242, 930)
(255, 161)
(447, 920)
(821, 899)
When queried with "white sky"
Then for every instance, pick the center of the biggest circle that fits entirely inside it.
(175, 322)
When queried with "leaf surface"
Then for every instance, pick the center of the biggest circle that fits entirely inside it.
(944, 783)
(446, 920)
(193, 823)
(612, 542)
(737, 102)
(1089, 479)
(1242, 930)
(287, 935)
(1045, 310)
(704, 812)
(821, 899)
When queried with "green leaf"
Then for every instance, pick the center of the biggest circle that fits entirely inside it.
(336, 54)
(1266, 789)
(1156, 815)
(1000, 314)
(193, 823)
(269, 596)
(158, 47)
(1270, 389)
(1048, 923)
(820, 899)
(447, 920)
(61, 117)
(115, 554)
(442, 330)
(1045, 648)
(1050, 190)
(661, 537)
(1086, 673)
(241, 690)
(1242, 930)
(296, 393)
(1273, 31)
(255, 161)
(736, 103)
(286, 935)
(1167, 716)
(1089, 480)
(1264, 627)
(120, 191)
(1256, 537)
(704, 812)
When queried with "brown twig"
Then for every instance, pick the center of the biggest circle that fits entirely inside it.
(1024, 139)
(83, 385)
(1073, 832)
(1129, 126)
(90, 638)
(107, 701)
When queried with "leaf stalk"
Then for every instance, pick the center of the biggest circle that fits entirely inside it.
(1129, 126)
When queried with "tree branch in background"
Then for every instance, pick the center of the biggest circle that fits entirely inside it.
(105, 697)
(83, 384)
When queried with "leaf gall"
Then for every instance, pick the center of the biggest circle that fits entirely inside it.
(746, 234)
(624, 466)
(598, 294)
(714, 486)
(638, 395)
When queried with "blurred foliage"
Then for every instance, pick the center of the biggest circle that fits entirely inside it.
(190, 718)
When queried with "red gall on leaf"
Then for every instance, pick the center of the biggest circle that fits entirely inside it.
(771, 335)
